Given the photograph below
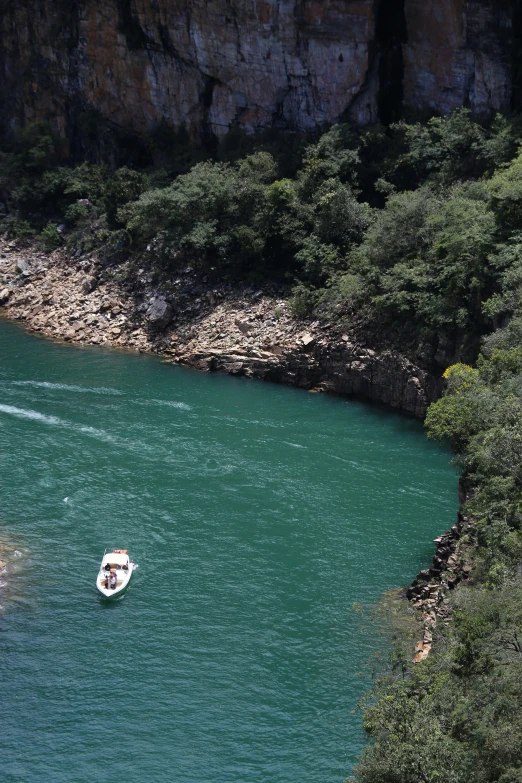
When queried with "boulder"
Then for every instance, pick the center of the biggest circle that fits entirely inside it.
(244, 326)
(4, 295)
(308, 340)
(159, 313)
(22, 267)
(89, 284)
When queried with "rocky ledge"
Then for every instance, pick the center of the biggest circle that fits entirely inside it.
(429, 590)
(210, 327)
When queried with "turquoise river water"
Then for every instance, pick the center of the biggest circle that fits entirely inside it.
(258, 516)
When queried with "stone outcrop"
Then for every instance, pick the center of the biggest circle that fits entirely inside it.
(209, 64)
(221, 329)
(450, 566)
(159, 313)
(132, 65)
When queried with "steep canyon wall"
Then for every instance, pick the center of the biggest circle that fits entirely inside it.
(214, 64)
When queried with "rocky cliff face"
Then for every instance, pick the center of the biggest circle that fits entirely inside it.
(461, 53)
(214, 64)
(210, 64)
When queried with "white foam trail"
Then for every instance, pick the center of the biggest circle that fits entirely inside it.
(183, 406)
(23, 413)
(173, 404)
(69, 387)
(158, 453)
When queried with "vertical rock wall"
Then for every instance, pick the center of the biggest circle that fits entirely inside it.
(208, 63)
(214, 64)
(459, 53)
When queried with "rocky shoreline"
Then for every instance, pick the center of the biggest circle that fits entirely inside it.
(244, 332)
(212, 328)
(451, 565)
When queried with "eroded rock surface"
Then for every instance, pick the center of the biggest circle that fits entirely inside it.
(460, 53)
(451, 565)
(244, 332)
(217, 64)
(207, 63)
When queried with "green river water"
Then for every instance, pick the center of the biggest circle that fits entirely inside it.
(258, 516)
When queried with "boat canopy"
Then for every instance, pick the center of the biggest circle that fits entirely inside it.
(115, 558)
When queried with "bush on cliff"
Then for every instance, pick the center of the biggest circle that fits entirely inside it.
(456, 716)
(208, 218)
(51, 238)
(241, 221)
(445, 195)
(481, 415)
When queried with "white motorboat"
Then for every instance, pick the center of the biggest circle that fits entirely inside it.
(115, 573)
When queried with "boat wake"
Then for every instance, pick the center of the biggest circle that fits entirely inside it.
(146, 452)
(69, 387)
(182, 406)
(23, 413)
(55, 421)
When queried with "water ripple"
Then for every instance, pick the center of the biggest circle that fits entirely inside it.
(69, 387)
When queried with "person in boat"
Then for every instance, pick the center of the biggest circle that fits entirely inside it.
(112, 580)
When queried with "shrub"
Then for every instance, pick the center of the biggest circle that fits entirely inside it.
(51, 237)
(303, 300)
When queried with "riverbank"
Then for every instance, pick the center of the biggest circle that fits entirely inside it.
(451, 565)
(242, 331)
